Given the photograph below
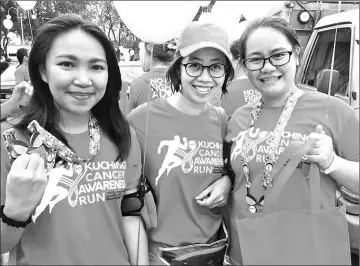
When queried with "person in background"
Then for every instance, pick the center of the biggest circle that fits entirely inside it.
(65, 208)
(240, 90)
(270, 54)
(20, 97)
(22, 72)
(183, 142)
(153, 79)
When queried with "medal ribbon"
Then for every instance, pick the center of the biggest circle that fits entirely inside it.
(270, 158)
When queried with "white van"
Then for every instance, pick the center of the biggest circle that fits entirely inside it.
(322, 63)
(318, 66)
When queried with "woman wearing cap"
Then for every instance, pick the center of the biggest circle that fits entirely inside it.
(159, 56)
(182, 140)
(270, 54)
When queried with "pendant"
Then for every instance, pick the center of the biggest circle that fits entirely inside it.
(254, 205)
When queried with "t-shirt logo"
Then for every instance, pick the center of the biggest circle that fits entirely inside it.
(252, 143)
(193, 156)
(83, 184)
(162, 89)
(258, 144)
(55, 193)
(251, 95)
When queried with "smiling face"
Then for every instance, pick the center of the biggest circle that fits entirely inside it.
(272, 82)
(201, 89)
(76, 72)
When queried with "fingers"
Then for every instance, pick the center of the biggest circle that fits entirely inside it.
(212, 201)
(35, 162)
(320, 130)
(204, 194)
(21, 162)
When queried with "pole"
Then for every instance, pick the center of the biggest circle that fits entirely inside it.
(22, 30)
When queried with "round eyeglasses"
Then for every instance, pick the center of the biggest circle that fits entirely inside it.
(195, 69)
(278, 59)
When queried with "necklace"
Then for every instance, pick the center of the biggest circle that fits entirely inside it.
(55, 146)
(270, 159)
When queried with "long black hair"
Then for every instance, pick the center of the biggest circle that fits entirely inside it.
(42, 107)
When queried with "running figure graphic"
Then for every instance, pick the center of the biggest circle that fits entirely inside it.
(170, 160)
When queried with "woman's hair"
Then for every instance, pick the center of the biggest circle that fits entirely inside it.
(173, 73)
(234, 49)
(20, 54)
(273, 22)
(42, 107)
(163, 52)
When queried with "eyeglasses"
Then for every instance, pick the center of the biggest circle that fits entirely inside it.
(278, 59)
(195, 69)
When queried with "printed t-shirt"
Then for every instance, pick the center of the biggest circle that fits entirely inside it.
(183, 157)
(139, 87)
(313, 108)
(240, 92)
(21, 74)
(81, 224)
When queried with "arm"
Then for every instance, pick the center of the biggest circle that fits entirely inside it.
(345, 172)
(21, 95)
(133, 96)
(24, 187)
(136, 240)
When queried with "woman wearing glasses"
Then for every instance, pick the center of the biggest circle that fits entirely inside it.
(182, 139)
(259, 132)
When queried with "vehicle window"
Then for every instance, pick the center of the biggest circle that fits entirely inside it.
(321, 58)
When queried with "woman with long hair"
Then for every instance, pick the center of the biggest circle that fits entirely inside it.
(62, 199)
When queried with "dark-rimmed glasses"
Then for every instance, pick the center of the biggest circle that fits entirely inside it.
(278, 59)
(195, 69)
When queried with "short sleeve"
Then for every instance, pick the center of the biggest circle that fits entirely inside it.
(135, 88)
(347, 143)
(133, 163)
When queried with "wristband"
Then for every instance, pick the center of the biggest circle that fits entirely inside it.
(333, 166)
(12, 222)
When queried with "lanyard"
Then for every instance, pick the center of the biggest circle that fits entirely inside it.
(270, 158)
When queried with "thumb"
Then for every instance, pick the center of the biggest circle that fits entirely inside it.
(320, 130)
(203, 194)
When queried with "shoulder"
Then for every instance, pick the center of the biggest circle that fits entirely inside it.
(220, 111)
(323, 101)
(138, 82)
(244, 110)
(138, 114)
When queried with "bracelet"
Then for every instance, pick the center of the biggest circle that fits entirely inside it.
(12, 222)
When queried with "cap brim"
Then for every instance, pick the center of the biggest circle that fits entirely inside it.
(194, 47)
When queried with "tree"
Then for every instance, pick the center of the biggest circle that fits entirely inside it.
(104, 14)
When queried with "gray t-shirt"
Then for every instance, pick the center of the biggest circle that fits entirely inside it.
(79, 223)
(183, 157)
(313, 108)
(155, 81)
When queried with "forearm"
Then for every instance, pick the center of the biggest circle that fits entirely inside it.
(10, 236)
(347, 175)
(137, 247)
